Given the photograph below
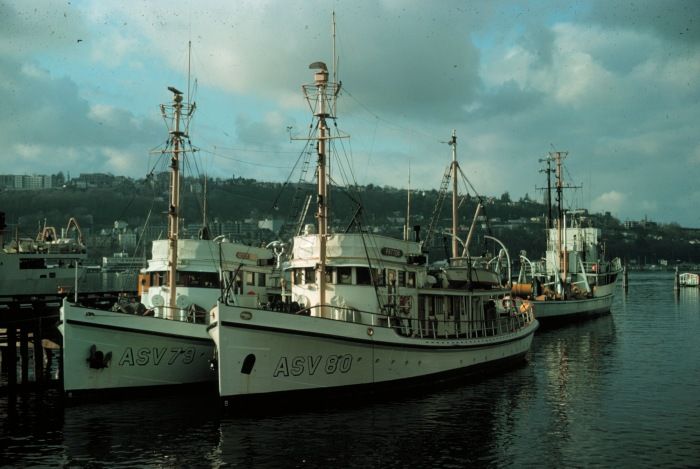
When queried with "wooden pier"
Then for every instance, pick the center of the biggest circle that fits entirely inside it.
(30, 322)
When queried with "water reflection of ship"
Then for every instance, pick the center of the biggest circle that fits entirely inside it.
(690, 296)
(572, 361)
(138, 433)
(413, 427)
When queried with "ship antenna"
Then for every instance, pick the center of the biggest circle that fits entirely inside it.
(335, 71)
(407, 226)
(455, 166)
(549, 172)
(189, 69)
(204, 208)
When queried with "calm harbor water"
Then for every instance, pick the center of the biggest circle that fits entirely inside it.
(621, 390)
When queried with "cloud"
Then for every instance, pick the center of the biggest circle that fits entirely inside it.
(615, 84)
(672, 20)
(46, 115)
(612, 201)
(114, 48)
(384, 53)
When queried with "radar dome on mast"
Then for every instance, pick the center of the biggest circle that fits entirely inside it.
(321, 76)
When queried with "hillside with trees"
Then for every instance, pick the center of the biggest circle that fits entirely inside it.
(238, 201)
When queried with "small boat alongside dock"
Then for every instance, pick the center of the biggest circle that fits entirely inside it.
(689, 279)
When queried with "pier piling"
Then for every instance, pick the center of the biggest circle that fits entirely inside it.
(24, 355)
(38, 353)
(676, 281)
(11, 355)
(29, 322)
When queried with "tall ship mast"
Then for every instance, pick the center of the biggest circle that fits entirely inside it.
(174, 112)
(321, 98)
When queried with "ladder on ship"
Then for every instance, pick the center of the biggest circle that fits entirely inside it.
(435, 217)
(300, 204)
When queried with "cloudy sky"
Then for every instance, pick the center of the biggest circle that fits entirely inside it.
(614, 83)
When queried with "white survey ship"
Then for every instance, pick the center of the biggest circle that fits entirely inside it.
(367, 311)
(162, 341)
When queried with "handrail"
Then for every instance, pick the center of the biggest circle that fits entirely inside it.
(429, 326)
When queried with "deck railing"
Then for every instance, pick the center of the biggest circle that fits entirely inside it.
(430, 326)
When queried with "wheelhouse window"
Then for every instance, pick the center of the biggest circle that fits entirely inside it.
(309, 275)
(198, 279)
(158, 278)
(363, 276)
(402, 278)
(261, 279)
(329, 274)
(411, 279)
(275, 282)
(391, 277)
(345, 275)
(32, 263)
